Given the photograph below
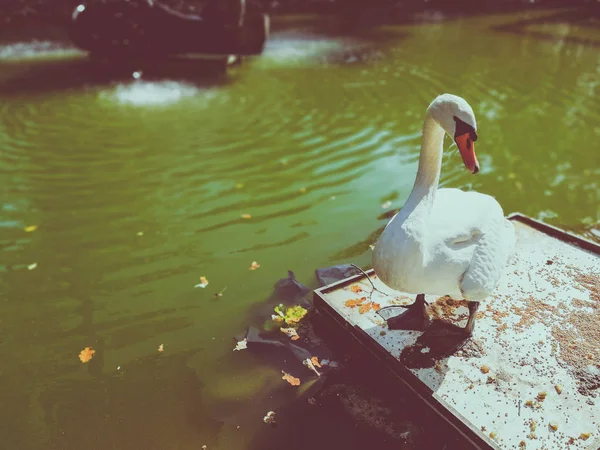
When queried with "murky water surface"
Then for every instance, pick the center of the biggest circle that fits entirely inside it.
(137, 188)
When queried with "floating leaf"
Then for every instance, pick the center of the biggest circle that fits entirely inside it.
(290, 379)
(309, 363)
(291, 332)
(86, 354)
(355, 288)
(294, 314)
(254, 265)
(241, 345)
(290, 316)
(355, 302)
(220, 293)
(203, 282)
(32, 266)
(315, 361)
(161, 348)
(30, 228)
(386, 204)
(303, 190)
(239, 185)
(246, 216)
(269, 418)
(140, 233)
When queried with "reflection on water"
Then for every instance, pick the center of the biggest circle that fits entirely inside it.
(142, 93)
(133, 205)
(36, 50)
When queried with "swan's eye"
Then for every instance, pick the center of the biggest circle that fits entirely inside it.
(464, 128)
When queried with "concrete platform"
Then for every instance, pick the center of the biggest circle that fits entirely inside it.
(530, 376)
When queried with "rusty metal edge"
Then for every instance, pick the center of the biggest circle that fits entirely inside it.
(553, 231)
(410, 381)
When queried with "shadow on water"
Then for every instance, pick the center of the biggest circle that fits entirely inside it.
(579, 18)
(123, 406)
(362, 406)
(78, 73)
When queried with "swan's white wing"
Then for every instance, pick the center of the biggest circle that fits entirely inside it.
(489, 259)
(459, 217)
(471, 231)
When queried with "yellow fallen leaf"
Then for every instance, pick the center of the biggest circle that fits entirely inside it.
(355, 302)
(246, 216)
(290, 379)
(161, 348)
(364, 308)
(355, 288)
(86, 354)
(375, 306)
(291, 332)
(315, 361)
(30, 228)
(254, 265)
(203, 282)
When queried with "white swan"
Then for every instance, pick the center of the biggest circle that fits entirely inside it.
(444, 241)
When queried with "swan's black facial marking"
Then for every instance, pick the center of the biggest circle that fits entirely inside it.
(464, 128)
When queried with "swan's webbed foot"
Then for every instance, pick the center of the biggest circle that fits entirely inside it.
(444, 330)
(414, 318)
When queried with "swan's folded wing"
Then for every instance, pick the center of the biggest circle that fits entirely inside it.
(494, 247)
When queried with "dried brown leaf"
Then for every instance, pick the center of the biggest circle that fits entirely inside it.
(355, 288)
(355, 302)
(290, 379)
(291, 332)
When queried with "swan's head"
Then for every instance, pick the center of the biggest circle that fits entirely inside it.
(456, 117)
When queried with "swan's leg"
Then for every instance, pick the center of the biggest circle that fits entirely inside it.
(441, 329)
(414, 318)
(473, 306)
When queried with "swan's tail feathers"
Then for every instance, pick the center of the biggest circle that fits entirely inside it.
(496, 246)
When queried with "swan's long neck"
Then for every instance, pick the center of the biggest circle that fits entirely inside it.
(430, 164)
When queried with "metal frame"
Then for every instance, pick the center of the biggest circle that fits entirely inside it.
(405, 377)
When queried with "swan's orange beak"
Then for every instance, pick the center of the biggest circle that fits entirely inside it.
(466, 146)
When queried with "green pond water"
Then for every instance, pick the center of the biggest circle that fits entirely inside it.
(137, 189)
